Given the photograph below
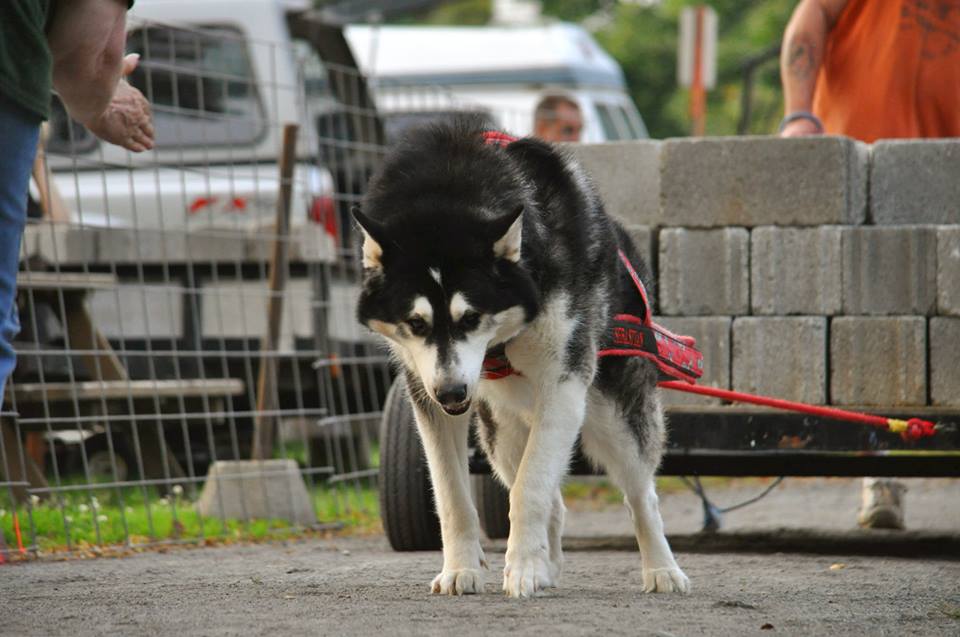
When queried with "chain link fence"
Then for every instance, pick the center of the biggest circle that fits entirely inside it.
(182, 330)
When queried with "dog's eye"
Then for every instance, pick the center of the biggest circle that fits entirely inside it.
(418, 326)
(470, 320)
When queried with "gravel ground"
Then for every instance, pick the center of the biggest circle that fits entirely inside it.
(358, 586)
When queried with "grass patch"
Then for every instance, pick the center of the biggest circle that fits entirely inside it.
(134, 516)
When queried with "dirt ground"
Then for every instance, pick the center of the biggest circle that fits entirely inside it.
(358, 586)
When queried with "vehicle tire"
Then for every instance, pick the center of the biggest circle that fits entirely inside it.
(406, 499)
(493, 506)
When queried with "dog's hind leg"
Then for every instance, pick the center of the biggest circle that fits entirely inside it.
(629, 448)
(445, 443)
(555, 536)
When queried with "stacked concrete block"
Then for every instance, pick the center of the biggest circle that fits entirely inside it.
(915, 182)
(627, 175)
(713, 340)
(948, 270)
(704, 272)
(878, 360)
(795, 270)
(756, 181)
(945, 361)
(781, 357)
(890, 270)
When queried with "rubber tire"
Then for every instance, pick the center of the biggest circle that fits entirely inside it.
(407, 508)
(493, 506)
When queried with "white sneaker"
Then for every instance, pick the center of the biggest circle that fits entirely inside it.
(882, 505)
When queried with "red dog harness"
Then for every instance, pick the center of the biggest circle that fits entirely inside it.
(675, 356)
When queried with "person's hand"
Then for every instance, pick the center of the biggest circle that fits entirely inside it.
(800, 128)
(127, 120)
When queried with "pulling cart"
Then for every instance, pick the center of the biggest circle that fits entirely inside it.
(729, 440)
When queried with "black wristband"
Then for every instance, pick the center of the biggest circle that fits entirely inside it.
(807, 115)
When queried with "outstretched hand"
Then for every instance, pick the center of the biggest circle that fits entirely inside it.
(127, 121)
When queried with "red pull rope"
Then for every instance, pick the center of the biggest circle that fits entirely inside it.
(912, 429)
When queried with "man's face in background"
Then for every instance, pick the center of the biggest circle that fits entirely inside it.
(564, 124)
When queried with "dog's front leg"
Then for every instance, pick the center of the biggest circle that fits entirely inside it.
(445, 443)
(557, 420)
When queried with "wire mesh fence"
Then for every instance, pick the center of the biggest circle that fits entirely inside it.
(172, 310)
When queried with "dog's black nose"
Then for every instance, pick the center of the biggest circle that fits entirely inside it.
(452, 394)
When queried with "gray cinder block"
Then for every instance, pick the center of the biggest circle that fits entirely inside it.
(704, 272)
(878, 360)
(756, 181)
(256, 489)
(915, 181)
(713, 340)
(945, 361)
(890, 270)
(627, 175)
(781, 357)
(948, 270)
(795, 270)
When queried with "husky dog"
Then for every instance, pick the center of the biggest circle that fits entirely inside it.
(470, 247)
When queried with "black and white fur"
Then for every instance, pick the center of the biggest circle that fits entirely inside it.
(467, 246)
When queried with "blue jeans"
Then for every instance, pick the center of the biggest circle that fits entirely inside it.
(19, 131)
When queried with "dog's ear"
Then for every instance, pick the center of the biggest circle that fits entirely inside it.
(372, 249)
(509, 230)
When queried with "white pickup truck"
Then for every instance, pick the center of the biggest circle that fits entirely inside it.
(223, 78)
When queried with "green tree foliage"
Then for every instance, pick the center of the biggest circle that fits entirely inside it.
(642, 37)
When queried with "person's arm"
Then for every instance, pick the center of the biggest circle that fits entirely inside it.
(804, 42)
(87, 40)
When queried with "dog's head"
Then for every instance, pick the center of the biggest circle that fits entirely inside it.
(443, 275)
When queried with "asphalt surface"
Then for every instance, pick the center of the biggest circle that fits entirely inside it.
(358, 586)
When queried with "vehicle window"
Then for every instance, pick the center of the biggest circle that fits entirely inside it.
(628, 123)
(200, 83)
(611, 131)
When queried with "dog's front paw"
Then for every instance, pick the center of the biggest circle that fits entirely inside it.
(524, 577)
(461, 581)
(665, 580)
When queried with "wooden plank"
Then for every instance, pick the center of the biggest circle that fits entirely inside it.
(264, 424)
(64, 281)
(123, 389)
(101, 361)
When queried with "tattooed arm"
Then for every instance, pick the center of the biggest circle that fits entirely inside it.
(804, 42)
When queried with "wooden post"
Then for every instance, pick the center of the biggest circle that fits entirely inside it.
(51, 203)
(698, 93)
(264, 424)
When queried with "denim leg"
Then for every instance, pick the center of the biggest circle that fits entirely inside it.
(18, 144)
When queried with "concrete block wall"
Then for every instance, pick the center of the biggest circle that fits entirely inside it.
(819, 269)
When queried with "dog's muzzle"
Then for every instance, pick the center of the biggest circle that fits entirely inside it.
(453, 399)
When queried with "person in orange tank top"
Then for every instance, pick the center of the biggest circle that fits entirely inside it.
(873, 69)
